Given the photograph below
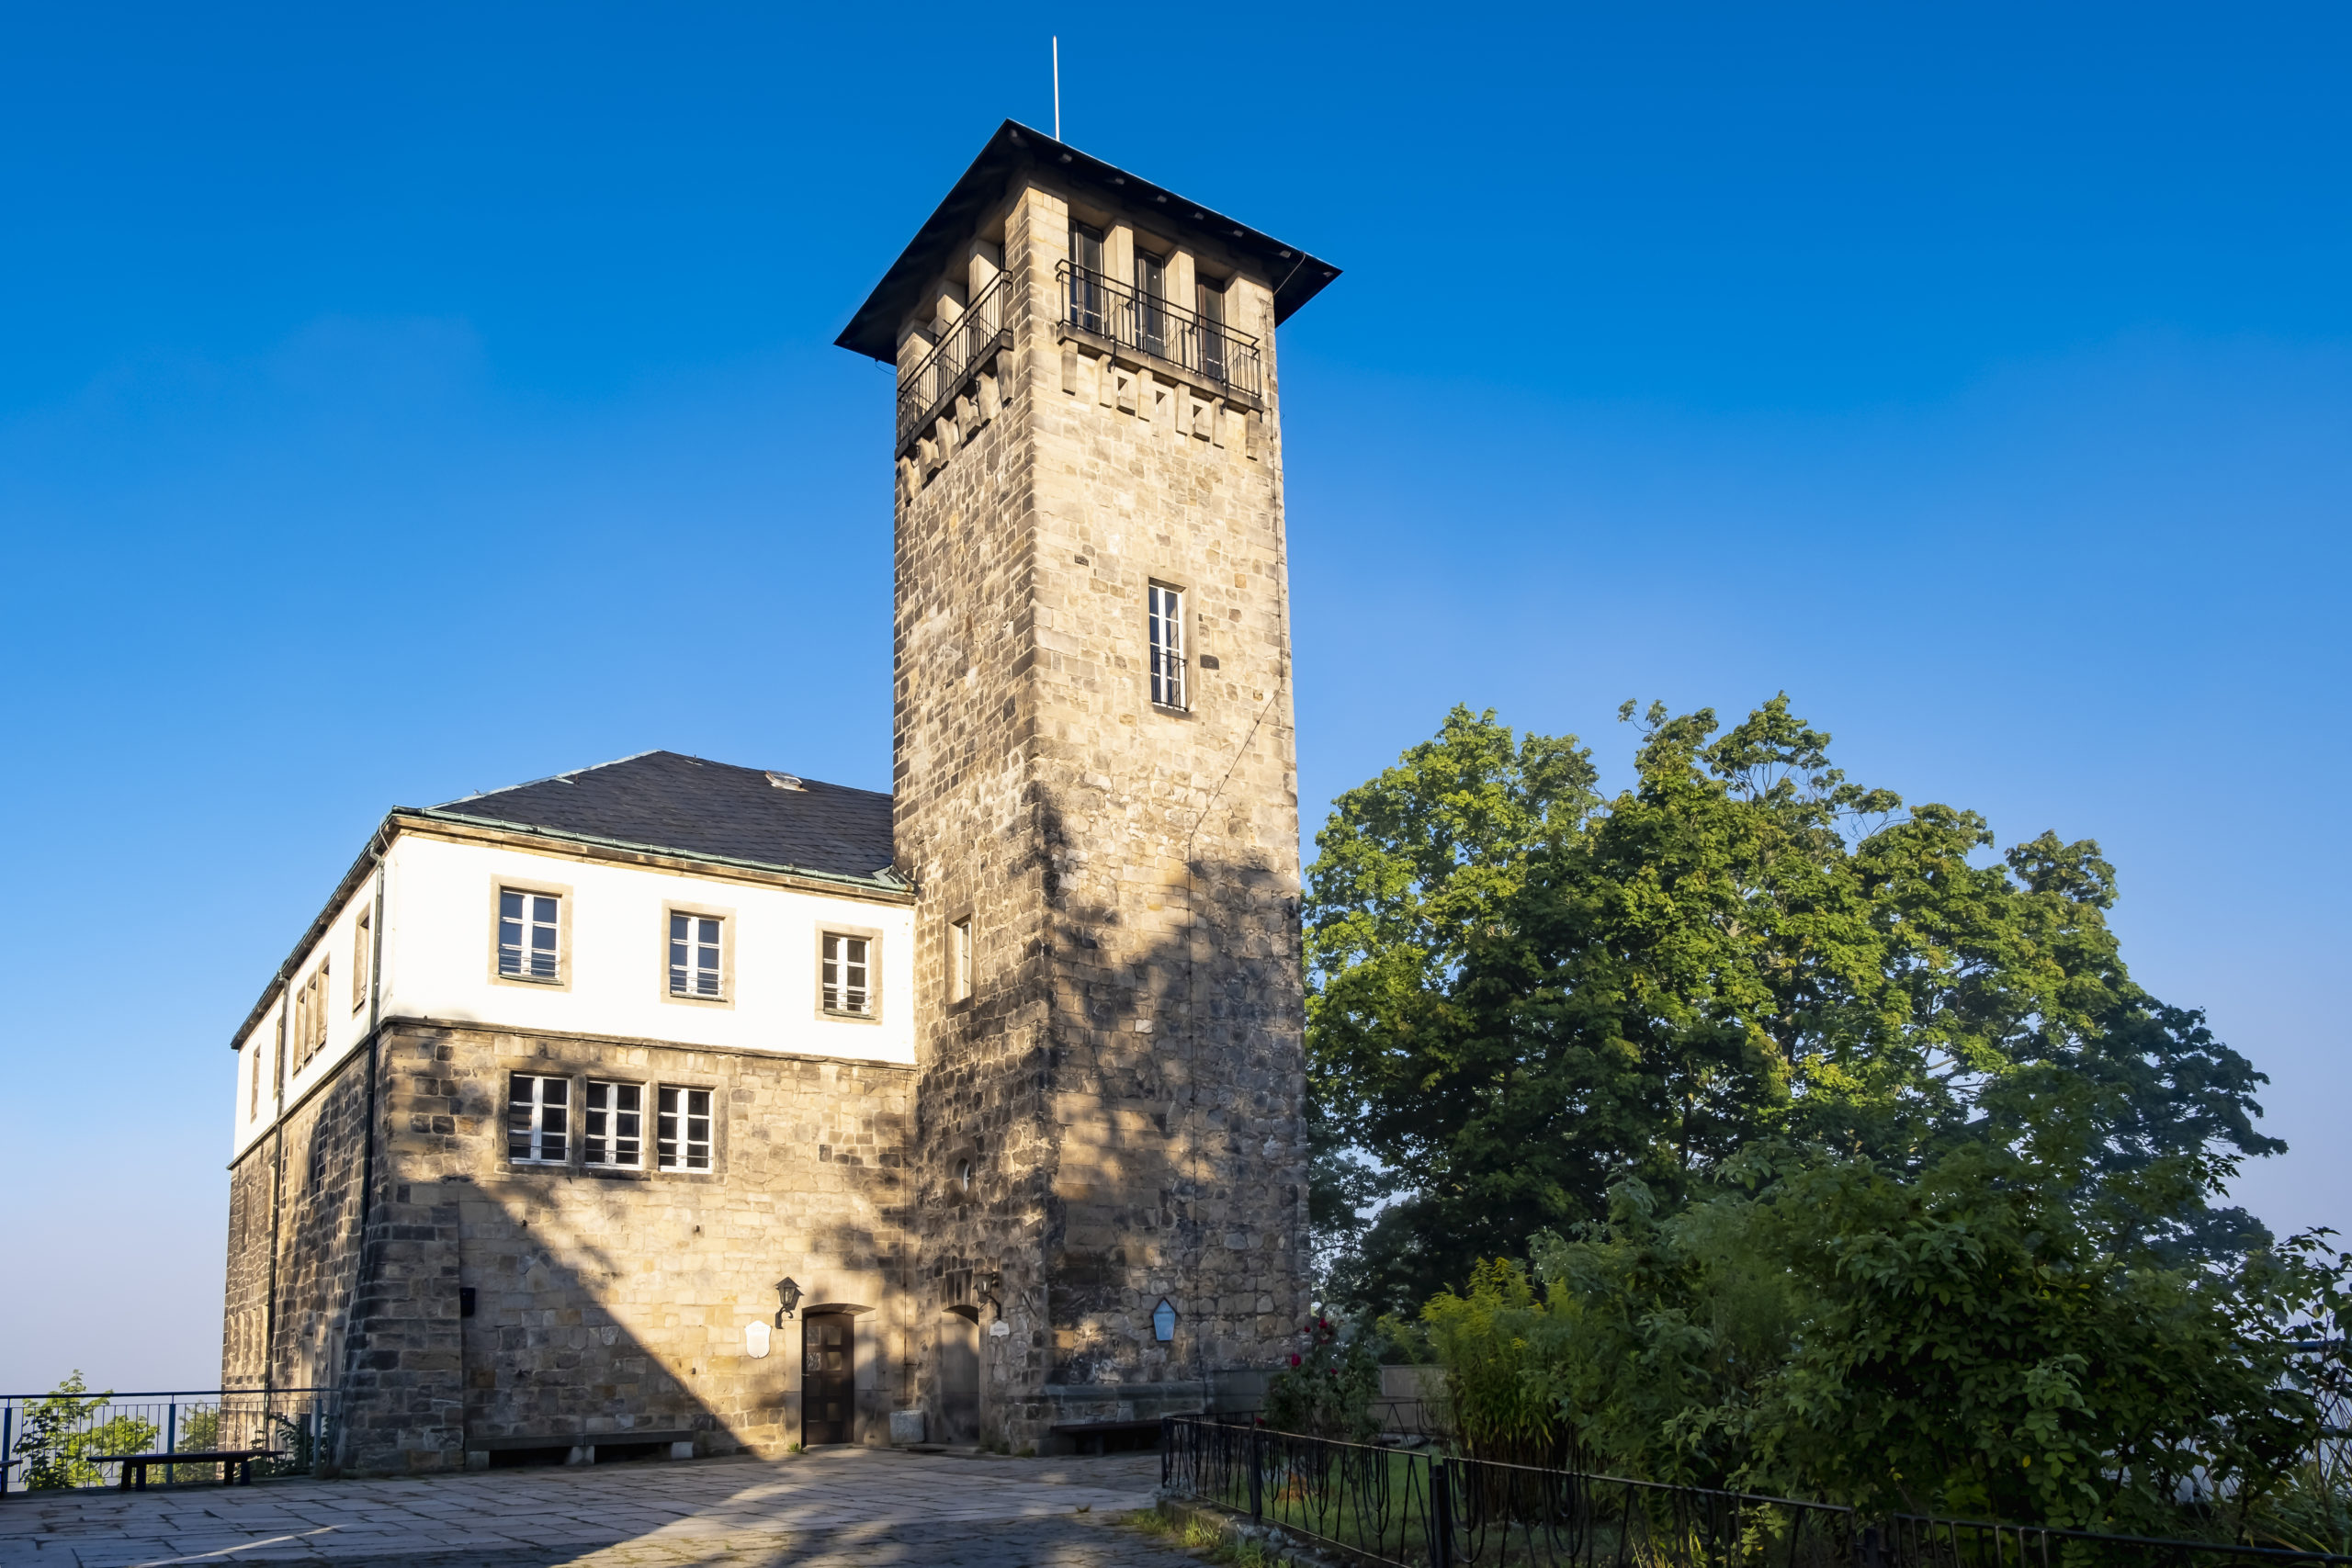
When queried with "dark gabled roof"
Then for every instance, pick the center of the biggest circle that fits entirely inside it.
(874, 330)
(695, 807)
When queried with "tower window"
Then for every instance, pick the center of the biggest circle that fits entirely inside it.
(846, 973)
(539, 1119)
(528, 926)
(682, 1133)
(695, 960)
(1167, 645)
(613, 1126)
(1211, 298)
(1086, 290)
(1151, 303)
(959, 960)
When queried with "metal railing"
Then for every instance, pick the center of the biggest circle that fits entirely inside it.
(65, 1437)
(1429, 1509)
(1095, 303)
(938, 376)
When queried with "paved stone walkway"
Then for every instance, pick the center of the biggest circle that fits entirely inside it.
(840, 1508)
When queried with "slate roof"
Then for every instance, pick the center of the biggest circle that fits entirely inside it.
(694, 806)
(873, 329)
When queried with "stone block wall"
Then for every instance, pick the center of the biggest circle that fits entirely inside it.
(306, 1177)
(606, 1304)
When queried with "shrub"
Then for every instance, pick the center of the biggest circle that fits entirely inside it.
(1328, 1389)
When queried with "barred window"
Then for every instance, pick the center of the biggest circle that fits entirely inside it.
(528, 925)
(847, 973)
(612, 1128)
(682, 1130)
(1166, 620)
(539, 1120)
(694, 955)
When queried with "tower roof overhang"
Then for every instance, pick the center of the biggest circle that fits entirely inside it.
(1297, 276)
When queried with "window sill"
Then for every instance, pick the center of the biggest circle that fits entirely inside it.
(721, 1000)
(1167, 712)
(843, 1015)
(553, 982)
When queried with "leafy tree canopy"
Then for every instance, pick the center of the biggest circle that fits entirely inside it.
(1521, 994)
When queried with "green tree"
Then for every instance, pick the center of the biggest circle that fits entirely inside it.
(59, 1439)
(1522, 996)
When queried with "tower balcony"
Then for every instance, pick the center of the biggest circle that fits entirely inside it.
(936, 379)
(1097, 307)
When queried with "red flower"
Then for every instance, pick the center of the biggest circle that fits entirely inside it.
(1293, 1361)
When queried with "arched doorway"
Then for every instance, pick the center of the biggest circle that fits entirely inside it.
(828, 1378)
(959, 1376)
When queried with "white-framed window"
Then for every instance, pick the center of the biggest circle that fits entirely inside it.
(682, 1131)
(612, 1125)
(847, 972)
(694, 955)
(959, 959)
(539, 1119)
(1167, 622)
(362, 953)
(530, 930)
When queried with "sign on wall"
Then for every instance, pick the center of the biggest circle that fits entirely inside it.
(755, 1339)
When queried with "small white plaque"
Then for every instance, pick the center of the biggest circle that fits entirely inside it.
(999, 1329)
(755, 1339)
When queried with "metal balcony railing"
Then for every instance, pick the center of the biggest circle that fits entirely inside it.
(1095, 303)
(940, 376)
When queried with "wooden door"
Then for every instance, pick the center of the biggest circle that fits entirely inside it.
(828, 1371)
(959, 1379)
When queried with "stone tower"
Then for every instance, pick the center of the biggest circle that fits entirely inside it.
(1095, 795)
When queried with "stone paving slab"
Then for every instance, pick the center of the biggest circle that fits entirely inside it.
(830, 1509)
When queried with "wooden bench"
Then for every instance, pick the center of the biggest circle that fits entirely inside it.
(236, 1464)
(1091, 1437)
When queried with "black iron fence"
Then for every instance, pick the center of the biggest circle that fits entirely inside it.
(71, 1437)
(1911, 1540)
(962, 350)
(1097, 303)
(1425, 1507)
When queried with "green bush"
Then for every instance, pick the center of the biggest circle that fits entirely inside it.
(1964, 1339)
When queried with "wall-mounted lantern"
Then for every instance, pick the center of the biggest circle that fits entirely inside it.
(787, 1291)
(1163, 1321)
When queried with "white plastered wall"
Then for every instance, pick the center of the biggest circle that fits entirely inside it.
(438, 946)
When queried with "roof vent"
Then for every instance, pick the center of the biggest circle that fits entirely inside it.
(785, 780)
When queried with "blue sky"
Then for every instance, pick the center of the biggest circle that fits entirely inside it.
(400, 402)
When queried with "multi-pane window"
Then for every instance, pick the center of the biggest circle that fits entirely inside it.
(1167, 645)
(361, 952)
(612, 1128)
(682, 1130)
(959, 960)
(847, 973)
(528, 926)
(539, 1119)
(694, 955)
